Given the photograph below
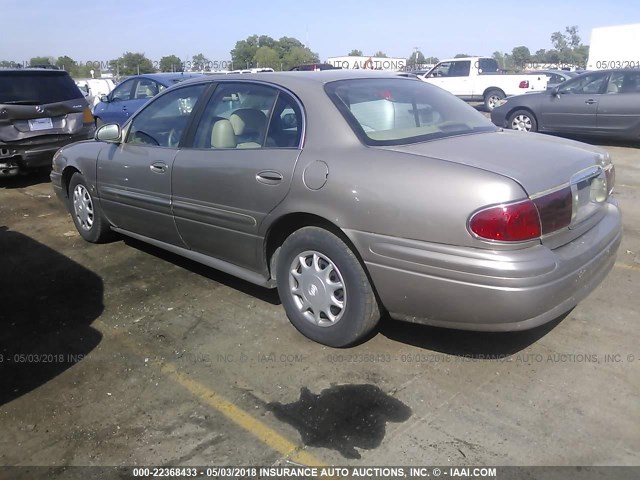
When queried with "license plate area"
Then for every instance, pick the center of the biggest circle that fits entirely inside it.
(38, 124)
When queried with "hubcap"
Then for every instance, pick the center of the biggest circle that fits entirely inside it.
(317, 288)
(83, 207)
(522, 123)
(493, 101)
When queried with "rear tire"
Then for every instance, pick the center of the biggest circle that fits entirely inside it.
(492, 97)
(324, 289)
(86, 213)
(523, 121)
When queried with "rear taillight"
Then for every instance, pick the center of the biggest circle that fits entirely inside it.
(555, 210)
(525, 220)
(87, 116)
(610, 172)
(524, 84)
(513, 222)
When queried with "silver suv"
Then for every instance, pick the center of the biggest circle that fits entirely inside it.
(41, 110)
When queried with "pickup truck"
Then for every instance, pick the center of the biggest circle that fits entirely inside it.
(476, 79)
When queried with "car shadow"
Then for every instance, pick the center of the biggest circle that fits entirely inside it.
(464, 343)
(261, 293)
(47, 305)
(29, 179)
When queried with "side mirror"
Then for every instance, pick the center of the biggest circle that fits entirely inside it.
(109, 133)
(554, 91)
(104, 98)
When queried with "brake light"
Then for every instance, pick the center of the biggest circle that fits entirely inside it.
(525, 220)
(513, 222)
(555, 210)
(87, 116)
(524, 84)
(610, 172)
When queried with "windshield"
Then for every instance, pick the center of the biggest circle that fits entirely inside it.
(36, 88)
(398, 111)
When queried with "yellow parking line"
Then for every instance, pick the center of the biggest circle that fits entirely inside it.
(628, 267)
(255, 427)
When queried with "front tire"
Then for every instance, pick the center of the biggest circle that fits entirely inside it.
(492, 97)
(86, 213)
(324, 288)
(523, 121)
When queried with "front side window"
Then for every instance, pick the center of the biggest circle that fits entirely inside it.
(236, 116)
(123, 91)
(460, 69)
(586, 85)
(400, 111)
(146, 89)
(163, 121)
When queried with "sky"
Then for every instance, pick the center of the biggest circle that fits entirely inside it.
(100, 31)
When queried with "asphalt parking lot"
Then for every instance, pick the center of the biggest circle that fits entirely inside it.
(122, 354)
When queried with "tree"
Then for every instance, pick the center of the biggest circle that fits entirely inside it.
(200, 63)
(35, 61)
(355, 53)
(267, 57)
(245, 50)
(286, 44)
(539, 56)
(68, 64)
(171, 63)
(431, 60)
(299, 56)
(461, 55)
(521, 56)
(9, 64)
(416, 59)
(499, 57)
(380, 54)
(131, 64)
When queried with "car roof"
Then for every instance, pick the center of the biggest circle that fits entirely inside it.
(296, 79)
(36, 71)
(166, 77)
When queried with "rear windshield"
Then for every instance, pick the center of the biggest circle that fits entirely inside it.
(31, 88)
(400, 111)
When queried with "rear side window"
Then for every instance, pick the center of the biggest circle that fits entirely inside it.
(30, 88)
(400, 111)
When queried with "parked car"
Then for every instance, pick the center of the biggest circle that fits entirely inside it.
(41, 110)
(556, 77)
(476, 79)
(95, 88)
(131, 94)
(605, 102)
(354, 193)
(313, 67)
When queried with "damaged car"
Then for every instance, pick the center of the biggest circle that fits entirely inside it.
(41, 110)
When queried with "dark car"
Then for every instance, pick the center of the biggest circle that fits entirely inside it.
(354, 193)
(603, 103)
(556, 77)
(314, 67)
(133, 93)
(41, 110)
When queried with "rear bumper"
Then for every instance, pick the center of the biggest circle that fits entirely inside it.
(28, 154)
(488, 290)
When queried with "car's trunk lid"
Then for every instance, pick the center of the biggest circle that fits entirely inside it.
(539, 163)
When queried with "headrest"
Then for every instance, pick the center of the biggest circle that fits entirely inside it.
(248, 120)
(222, 135)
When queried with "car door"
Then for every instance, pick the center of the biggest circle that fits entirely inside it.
(134, 177)
(619, 109)
(452, 76)
(574, 107)
(113, 110)
(238, 169)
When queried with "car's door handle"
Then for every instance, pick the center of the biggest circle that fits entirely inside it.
(158, 167)
(591, 101)
(269, 177)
